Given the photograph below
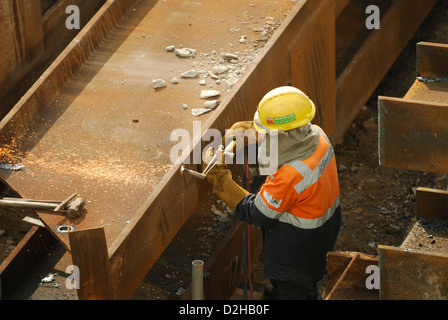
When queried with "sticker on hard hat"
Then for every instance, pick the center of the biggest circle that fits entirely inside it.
(281, 120)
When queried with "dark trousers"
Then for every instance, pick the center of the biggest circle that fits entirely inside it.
(282, 290)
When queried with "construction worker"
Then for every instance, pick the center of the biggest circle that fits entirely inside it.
(297, 206)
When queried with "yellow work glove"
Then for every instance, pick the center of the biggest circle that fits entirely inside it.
(220, 178)
(238, 131)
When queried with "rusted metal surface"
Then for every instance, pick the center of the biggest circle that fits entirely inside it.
(22, 42)
(89, 254)
(428, 235)
(93, 124)
(370, 61)
(432, 203)
(33, 35)
(431, 59)
(412, 275)
(413, 130)
(413, 134)
(77, 141)
(319, 36)
(342, 278)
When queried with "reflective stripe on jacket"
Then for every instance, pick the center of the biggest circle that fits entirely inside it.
(298, 209)
(303, 193)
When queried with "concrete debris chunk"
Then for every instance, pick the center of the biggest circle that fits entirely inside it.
(222, 217)
(205, 94)
(199, 112)
(212, 104)
(216, 211)
(212, 75)
(185, 52)
(220, 69)
(170, 48)
(47, 279)
(180, 291)
(158, 83)
(229, 56)
(190, 74)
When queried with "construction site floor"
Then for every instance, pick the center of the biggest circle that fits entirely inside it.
(378, 203)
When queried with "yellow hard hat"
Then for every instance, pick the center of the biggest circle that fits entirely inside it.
(284, 108)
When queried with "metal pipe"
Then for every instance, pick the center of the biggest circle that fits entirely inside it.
(28, 204)
(197, 280)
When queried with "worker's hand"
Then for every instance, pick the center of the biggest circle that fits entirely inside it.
(218, 170)
(221, 180)
(243, 132)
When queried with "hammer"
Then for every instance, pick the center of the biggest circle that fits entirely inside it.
(73, 208)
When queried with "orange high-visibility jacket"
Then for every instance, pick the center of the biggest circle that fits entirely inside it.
(303, 193)
(299, 208)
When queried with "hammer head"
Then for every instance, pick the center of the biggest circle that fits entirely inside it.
(75, 208)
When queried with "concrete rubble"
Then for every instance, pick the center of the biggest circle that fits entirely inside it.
(212, 104)
(205, 94)
(185, 52)
(199, 111)
(158, 83)
(190, 74)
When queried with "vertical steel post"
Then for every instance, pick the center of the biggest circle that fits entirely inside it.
(197, 280)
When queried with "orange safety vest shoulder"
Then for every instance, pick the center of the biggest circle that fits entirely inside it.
(303, 193)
